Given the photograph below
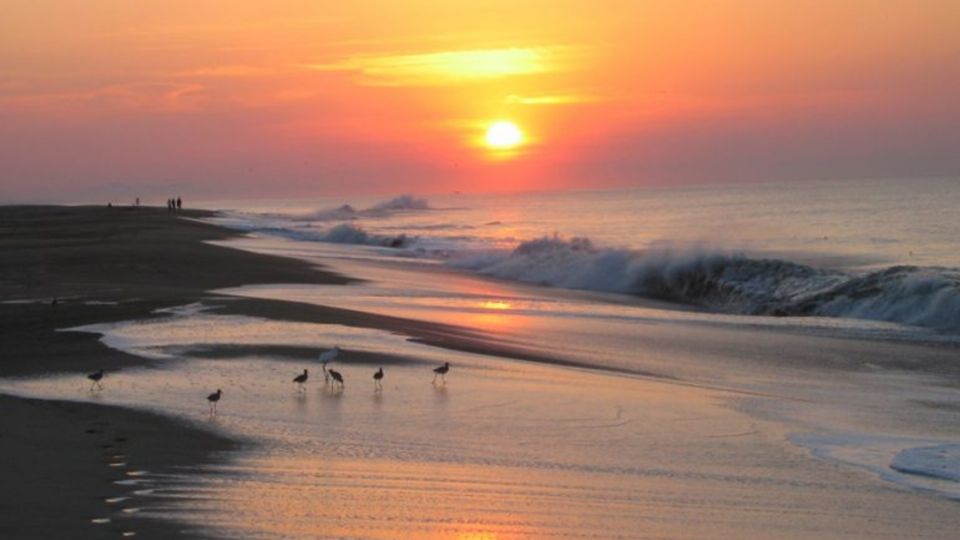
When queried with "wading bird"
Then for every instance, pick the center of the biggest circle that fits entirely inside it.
(442, 372)
(96, 378)
(337, 377)
(300, 379)
(213, 399)
(326, 358)
(378, 379)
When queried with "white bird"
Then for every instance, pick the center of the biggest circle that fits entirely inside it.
(213, 399)
(442, 372)
(327, 357)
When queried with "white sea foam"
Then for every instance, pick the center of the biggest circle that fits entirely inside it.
(938, 461)
(924, 465)
(730, 282)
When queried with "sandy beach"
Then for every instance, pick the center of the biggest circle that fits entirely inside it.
(101, 265)
(686, 426)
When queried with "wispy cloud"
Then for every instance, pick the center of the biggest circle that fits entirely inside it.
(557, 99)
(145, 96)
(226, 71)
(455, 67)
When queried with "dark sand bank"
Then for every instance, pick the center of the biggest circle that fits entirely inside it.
(61, 462)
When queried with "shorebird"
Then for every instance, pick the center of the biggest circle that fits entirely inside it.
(96, 377)
(300, 379)
(442, 372)
(336, 376)
(213, 399)
(378, 379)
(326, 358)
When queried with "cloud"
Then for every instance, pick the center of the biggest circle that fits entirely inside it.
(558, 99)
(226, 71)
(141, 95)
(454, 67)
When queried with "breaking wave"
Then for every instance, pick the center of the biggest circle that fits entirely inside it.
(403, 203)
(733, 283)
(344, 233)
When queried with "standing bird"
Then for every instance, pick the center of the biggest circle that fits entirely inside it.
(442, 372)
(213, 399)
(378, 379)
(337, 377)
(300, 379)
(326, 358)
(96, 378)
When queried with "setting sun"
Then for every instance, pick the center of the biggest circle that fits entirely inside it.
(503, 135)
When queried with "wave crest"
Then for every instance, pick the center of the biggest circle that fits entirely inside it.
(403, 202)
(346, 212)
(734, 283)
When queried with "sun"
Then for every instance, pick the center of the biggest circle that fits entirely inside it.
(503, 135)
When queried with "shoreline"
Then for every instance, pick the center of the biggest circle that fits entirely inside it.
(116, 264)
(102, 265)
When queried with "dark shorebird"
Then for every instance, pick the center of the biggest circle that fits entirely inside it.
(336, 376)
(442, 372)
(213, 399)
(326, 358)
(96, 377)
(378, 379)
(300, 379)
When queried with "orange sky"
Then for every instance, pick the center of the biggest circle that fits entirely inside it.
(235, 98)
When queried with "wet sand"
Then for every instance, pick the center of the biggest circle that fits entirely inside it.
(62, 461)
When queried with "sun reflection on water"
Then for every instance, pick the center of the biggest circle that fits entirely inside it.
(495, 304)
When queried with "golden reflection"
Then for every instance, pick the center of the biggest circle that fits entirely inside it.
(495, 304)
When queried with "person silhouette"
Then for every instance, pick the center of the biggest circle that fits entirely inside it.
(179, 204)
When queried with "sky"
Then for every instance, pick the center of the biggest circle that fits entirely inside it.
(224, 99)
